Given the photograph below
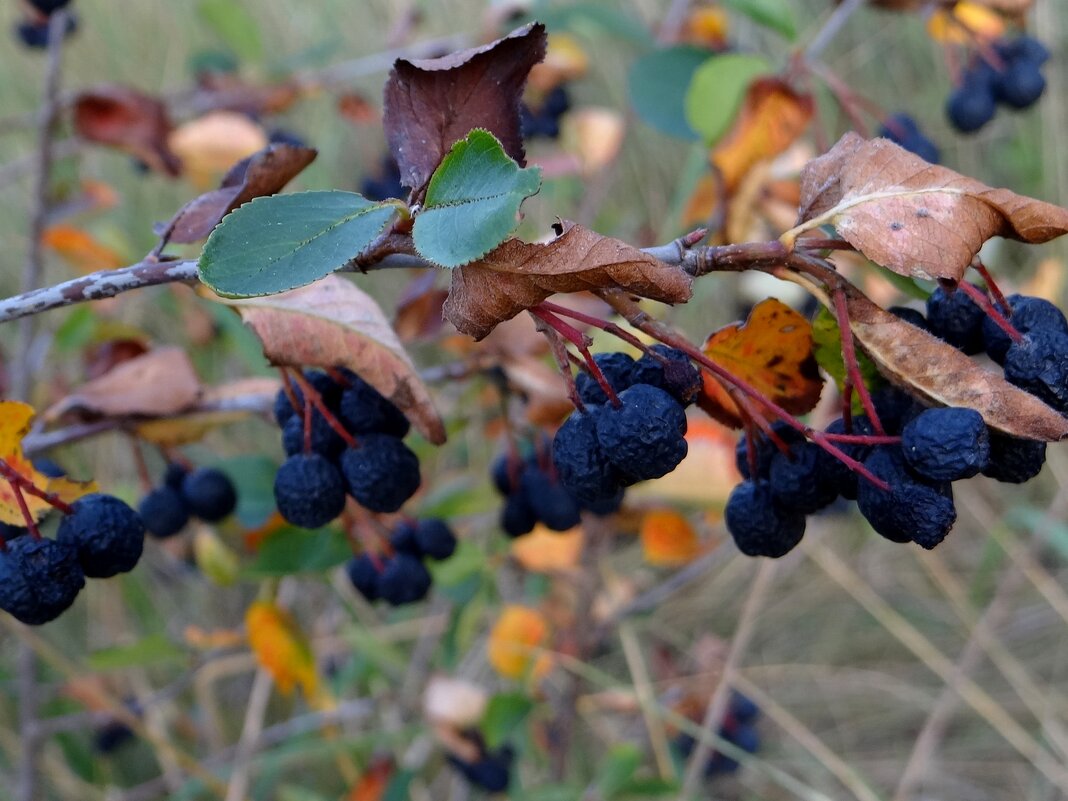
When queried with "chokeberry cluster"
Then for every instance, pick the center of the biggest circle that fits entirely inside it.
(902, 129)
(544, 119)
(401, 577)
(635, 436)
(205, 492)
(738, 728)
(1016, 82)
(33, 30)
(347, 441)
(98, 537)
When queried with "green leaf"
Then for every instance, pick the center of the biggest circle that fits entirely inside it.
(472, 201)
(776, 15)
(827, 349)
(467, 561)
(717, 90)
(618, 769)
(152, 650)
(281, 242)
(504, 714)
(234, 25)
(295, 550)
(658, 83)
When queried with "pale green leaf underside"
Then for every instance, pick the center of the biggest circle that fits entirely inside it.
(472, 201)
(277, 243)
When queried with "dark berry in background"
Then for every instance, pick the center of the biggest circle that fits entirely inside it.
(164, 511)
(210, 494)
(309, 490)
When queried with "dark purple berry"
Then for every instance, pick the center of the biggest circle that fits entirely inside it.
(309, 490)
(108, 535)
(382, 473)
(164, 511)
(645, 437)
(403, 580)
(946, 444)
(1026, 314)
(1013, 460)
(912, 509)
(435, 538)
(954, 317)
(758, 526)
(39, 579)
(363, 574)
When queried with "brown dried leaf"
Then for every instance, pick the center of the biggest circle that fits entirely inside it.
(925, 365)
(333, 323)
(125, 118)
(430, 104)
(193, 426)
(418, 314)
(518, 275)
(158, 383)
(912, 217)
(262, 173)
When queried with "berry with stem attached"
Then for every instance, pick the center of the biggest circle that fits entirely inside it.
(309, 490)
(758, 526)
(106, 533)
(946, 444)
(209, 493)
(382, 473)
(39, 579)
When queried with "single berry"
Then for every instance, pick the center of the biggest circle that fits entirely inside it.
(1013, 460)
(35, 34)
(618, 370)
(909, 315)
(1020, 85)
(912, 509)
(552, 503)
(760, 527)
(644, 437)
(382, 473)
(435, 538)
(895, 408)
(765, 448)
(505, 474)
(210, 494)
(108, 535)
(798, 484)
(1023, 48)
(363, 574)
(581, 465)
(971, 106)
(517, 516)
(309, 491)
(606, 506)
(164, 511)
(403, 539)
(946, 444)
(111, 736)
(1039, 365)
(902, 130)
(403, 580)
(676, 375)
(954, 317)
(325, 441)
(39, 579)
(1026, 314)
(364, 410)
(492, 772)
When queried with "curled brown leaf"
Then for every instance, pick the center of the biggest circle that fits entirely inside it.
(127, 119)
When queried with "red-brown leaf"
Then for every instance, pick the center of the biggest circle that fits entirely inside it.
(915, 218)
(262, 173)
(430, 104)
(927, 366)
(127, 119)
(333, 323)
(518, 275)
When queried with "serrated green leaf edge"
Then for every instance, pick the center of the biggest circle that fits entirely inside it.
(242, 233)
(482, 203)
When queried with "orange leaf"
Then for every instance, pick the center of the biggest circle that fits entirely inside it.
(668, 539)
(702, 203)
(514, 642)
(772, 117)
(772, 351)
(80, 250)
(545, 551)
(707, 27)
(371, 786)
(15, 420)
(281, 648)
(210, 145)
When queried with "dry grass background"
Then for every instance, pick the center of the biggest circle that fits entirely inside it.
(884, 672)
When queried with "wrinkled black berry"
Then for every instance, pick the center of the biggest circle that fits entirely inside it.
(325, 441)
(1039, 365)
(309, 491)
(164, 511)
(954, 317)
(758, 526)
(765, 449)
(403, 580)
(435, 538)
(108, 535)
(618, 370)
(210, 494)
(644, 437)
(364, 410)
(552, 503)
(382, 473)
(581, 464)
(676, 375)
(1013, 460)
(912, 509)
(39, 579)
(1026, 314)
(946, 444)
(798, 482)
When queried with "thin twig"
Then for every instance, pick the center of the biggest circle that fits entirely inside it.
(831, 28)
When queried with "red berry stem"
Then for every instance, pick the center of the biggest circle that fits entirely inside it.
(849, 356)
(312, 394)
(603, 325)
(31, 524)
(813, 243)
(983, 302)
(140, 465)
(307, 422)
(863, 439)
(287, 387)
(339, 377)
(991, 285)
(14, 477)
(579, 340)
(563, 361)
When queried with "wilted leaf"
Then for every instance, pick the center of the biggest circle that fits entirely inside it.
(772, 351)
(81, 250)
(453, 701)
(772, 116)
(263, 173)
(472, 202)
(658, 82)
(281, 242)
(210, 145)
(518, 275)
(281, 648)
(668, 539)
(514, 641)
(333, 323)
(432, 103)
(129, 120)
(545, 551)
(915, 218)
(15, 420)
(160, 382)
(924, 364)
(717, 91)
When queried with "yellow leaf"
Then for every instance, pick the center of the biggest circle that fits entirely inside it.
(215, 560)
(668, 539)
(281, 648)
(545, 551)
(964, 23)
(210, 145)
(514, 642)
(707, 27)
(15, 420)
